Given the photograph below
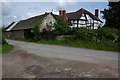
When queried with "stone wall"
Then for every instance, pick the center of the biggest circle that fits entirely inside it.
(15, 33)
(62, 37)
(49, 18)
(18, 33)
(7, 33)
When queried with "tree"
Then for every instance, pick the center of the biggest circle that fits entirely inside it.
(111, 15)
(36, 32)
(61, 27)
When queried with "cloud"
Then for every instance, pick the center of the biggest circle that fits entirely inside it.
(6, 12)
(55, 12)
(6, 8)
(35, 8)
(8, 15)
(30, 14)
(58, 0)
(61, 4)
(0, 14)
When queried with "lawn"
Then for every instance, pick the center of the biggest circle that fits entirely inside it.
(105, 45)
(6, 48)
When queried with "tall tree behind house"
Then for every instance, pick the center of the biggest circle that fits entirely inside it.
(111, 15)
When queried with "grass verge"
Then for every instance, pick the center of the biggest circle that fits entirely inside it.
(104, 45)
(6, 48)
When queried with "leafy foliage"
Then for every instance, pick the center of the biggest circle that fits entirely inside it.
(3, 28)
(112, 15)
(98, 35)
(107, 34)
(101, 39)
(85, 34)
(3, 40)
(36, 32)
(61, 27)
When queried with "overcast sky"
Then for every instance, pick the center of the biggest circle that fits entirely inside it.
(15, 11)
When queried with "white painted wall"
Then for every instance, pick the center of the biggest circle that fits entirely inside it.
(83, 16)
(90, 21)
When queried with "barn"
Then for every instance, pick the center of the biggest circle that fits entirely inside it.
(22, 29)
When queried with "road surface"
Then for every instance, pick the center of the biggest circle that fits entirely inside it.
(79, 54)
(31, 60)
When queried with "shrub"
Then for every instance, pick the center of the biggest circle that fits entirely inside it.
(85, 34)
(69, 38)
(3, 40)
(107, 34)
(36, 32)
(97, 35)
(61, 28)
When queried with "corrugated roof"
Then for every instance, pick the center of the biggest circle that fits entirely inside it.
(11, 26)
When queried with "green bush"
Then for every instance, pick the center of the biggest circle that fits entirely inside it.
(69, 38)
(98, 35)
(2, 40)
(36, 32)
(107, 34)
(61, 28)
(85, 34)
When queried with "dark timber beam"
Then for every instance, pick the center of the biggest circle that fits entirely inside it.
(77, 23)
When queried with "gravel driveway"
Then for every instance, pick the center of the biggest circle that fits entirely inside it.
(39, 60)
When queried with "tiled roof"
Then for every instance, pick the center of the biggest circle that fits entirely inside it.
(78, 14)
(74, 15)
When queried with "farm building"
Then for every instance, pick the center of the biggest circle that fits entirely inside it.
(22, 29)
(78, 19)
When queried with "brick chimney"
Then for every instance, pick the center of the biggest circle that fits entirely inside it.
(60, 12)
(63, 14)
(97, 13)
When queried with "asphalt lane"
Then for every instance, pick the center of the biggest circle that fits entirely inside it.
(105, 58)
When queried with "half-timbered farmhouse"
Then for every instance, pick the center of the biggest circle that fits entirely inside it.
(82, 18)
